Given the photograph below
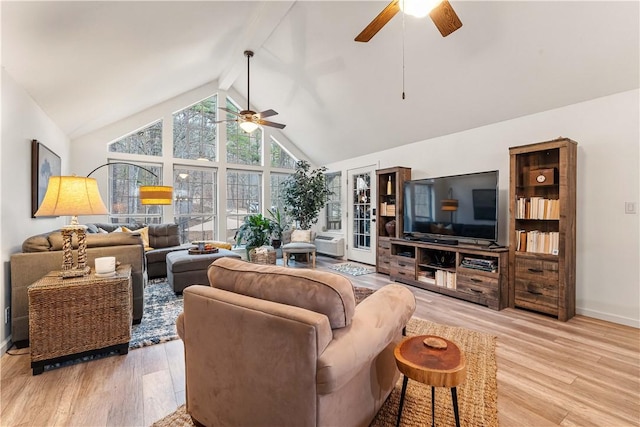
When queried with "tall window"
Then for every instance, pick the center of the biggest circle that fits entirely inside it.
(194, 131)
(124, 201)
(195, 202)
(242, 148)
(280, 158)
(147, 141)
(277, 180)
(334, 209)
(244, 197)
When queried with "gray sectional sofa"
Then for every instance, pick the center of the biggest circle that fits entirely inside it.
(43, 253)
(163, 238)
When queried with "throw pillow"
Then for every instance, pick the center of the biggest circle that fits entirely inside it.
(144, 233)
(118, 230)
(221, 245)
(301, 236)
(125, 229)
(102, 230)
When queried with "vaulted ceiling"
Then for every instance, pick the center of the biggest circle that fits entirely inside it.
(88, 64)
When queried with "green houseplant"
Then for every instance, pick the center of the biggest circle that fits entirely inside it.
(255, 231)
(305, 193)
(280, 225)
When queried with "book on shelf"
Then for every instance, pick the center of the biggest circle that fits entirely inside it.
(535, 241)
(391, 210)
(383, 208)
(537, 208)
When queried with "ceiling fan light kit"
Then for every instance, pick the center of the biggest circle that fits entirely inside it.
(248, 126)
(418, 8)
(249, 120)
(441, 13)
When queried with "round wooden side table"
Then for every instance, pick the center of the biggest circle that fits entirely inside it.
(432, 365)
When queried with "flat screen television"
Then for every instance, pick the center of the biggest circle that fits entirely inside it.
(449, 208)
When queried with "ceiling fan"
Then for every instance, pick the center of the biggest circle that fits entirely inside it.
(441, 13)
(248, 119)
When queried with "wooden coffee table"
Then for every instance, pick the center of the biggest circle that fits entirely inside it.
(437, 367)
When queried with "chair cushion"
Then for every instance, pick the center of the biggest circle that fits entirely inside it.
(320, 291)
(301, 247)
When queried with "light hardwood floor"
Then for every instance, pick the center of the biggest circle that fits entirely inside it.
(584, 372)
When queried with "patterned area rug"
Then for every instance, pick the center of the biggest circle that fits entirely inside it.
(162, 307)
(352, 269)
(477, 396)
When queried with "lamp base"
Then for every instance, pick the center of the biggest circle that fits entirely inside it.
(68, 269)
(75, 272)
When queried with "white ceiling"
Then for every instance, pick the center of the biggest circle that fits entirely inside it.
(88, 64)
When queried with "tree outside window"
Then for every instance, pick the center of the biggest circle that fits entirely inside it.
(124, 195)
(194, 131)
(195, 198)
(146, 141)
(242, 148)
(244, 197)
(280, 158)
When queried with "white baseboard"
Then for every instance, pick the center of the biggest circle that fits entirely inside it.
(609, 317)
(5, 345)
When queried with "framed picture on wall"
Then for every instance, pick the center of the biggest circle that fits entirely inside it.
(44, 164)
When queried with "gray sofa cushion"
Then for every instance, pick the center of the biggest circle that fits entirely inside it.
(163, 235)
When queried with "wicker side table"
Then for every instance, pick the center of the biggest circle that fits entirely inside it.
(75, 317)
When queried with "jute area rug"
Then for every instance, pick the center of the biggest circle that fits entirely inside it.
(477, 396)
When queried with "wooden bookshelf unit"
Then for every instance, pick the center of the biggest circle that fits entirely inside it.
(479, 275)
(390, 205)
(542, 212)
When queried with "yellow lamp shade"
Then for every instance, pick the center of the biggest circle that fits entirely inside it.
(449, 205)
(156, 195)
(72, 195)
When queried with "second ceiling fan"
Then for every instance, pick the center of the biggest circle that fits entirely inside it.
(441, 13)
(248, 119)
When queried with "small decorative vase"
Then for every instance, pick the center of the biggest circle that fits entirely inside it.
(391, 228)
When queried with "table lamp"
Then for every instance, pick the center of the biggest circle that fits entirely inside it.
(72, 196)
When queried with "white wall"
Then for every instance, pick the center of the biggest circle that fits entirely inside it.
(607, 131)
(22, 121)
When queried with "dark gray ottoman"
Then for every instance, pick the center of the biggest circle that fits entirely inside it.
(184, 269)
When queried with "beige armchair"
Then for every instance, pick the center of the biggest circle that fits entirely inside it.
(272, 346)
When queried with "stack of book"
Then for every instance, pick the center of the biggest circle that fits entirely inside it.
(490, 265)
(391, 210)
(537, 241)
(537, 208)
(446, 279)
(427, 276)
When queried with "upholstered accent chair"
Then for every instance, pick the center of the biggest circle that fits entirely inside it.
(298, 242)
(274, 346)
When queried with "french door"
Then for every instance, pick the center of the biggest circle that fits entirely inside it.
(361, 199)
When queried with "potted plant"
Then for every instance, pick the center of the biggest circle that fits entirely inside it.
(255, 231)
(305, 193)
(280, 225)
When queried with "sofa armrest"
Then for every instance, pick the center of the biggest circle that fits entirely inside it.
(377, 322)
